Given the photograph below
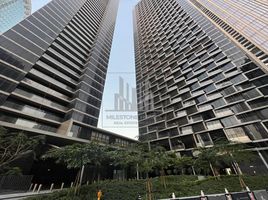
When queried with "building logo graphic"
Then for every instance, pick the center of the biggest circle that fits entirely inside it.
(122, 99)
(121, 112)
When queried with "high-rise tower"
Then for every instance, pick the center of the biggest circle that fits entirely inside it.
(53, 69)
(201, 76)
(12, 12)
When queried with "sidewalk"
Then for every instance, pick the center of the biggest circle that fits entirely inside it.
(16, 196)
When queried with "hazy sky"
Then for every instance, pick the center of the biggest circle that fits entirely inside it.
(36, 4)
(121, 64)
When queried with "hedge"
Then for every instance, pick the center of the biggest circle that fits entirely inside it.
(180, 185)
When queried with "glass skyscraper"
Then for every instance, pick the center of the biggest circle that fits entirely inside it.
(53, 69)
(12, 12)
(202, 73)
(248, 17)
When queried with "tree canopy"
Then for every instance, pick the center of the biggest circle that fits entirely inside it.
(77, 155)
(14, 145)
(220, 155)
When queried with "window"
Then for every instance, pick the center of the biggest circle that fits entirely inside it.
(240, 107)
(230, 121)
(181, 113)
(237, 135)
(204, 139)
(7, 85)
(251, 94)
(212, 125)
(256, 131)
(228, 91)
(246, 117)
(223, 112)
(95, 136)
(187, 130)
(218, 103)
(258, 103)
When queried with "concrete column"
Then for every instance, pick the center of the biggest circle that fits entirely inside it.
(263, 160)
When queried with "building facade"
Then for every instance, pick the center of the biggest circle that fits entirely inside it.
(53, 70)
(12, 12)
(201, 75)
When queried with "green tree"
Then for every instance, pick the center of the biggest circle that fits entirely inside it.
(222, 154)
(148, 163)
(162, 160)
(183, 163)
(14, 145)
(233, 153)
(78, 155)
(121, 158)
(206, 159)
(132, 156)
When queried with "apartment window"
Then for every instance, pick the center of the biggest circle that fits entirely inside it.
(223, 112)
(248, 67)
(181, 113)
(246, 117)
(195, 118)
(256, 131)
(237, 135)
(263, 114)
(234, 98)
(201, 99)
(198, 127)
(212, 125)
(261, 81)
(187, 130)
(258, 103)
(26, 123)
(264, 90)
(99, 137)
(230, 121)
(228, 91)
(121, 142)
(243, 86)
(204, 139)
(218, 103)
(255, 73)
(240, 107)
(7, 85)
(238, 79)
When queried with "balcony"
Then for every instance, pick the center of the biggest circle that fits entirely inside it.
(214, 125)
(187, 130)
(223, 112)
(205, 108)
(181, 113)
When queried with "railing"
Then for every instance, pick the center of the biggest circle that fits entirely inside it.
(247, 195)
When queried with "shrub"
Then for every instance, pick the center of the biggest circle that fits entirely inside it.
(181, 185)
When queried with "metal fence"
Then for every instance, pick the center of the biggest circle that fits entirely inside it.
(11, 182)
(255, 195)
